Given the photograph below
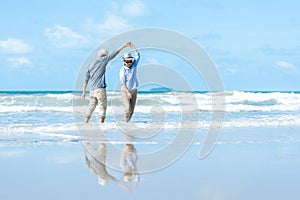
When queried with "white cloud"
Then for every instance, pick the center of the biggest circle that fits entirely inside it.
(134, 8)
(18, 62)
(12, 45)
(63, 36)
(286, 65)
(114, 22)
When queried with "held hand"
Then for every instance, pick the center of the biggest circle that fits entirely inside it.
(126, 44)
(133, 47)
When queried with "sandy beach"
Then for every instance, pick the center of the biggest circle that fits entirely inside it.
(246, 163)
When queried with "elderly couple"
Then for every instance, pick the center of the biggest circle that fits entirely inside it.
(95, 74)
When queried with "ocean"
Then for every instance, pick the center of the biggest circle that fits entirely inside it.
(53, 116)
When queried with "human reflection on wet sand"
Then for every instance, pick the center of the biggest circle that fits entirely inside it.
(128, 165)
(96, 163)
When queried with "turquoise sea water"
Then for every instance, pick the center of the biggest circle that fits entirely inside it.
(50, 116)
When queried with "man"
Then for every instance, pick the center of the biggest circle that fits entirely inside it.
(128, 164)
(96, 75)
(96, 164)
(129, 82)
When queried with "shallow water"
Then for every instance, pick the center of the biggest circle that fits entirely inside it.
(54, 115)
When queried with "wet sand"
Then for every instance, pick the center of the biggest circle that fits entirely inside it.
(245, 164)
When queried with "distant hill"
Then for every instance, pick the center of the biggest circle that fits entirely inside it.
(160, 89)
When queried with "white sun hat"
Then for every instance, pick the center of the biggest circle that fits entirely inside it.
(127, 56)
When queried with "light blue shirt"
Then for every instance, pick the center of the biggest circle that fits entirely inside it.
(128, 75)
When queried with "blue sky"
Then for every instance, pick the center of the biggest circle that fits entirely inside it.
(255, 45)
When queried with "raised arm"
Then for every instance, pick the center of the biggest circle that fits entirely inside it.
(133, 47)
(114, 53)
(126, 44)
(137, 54)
